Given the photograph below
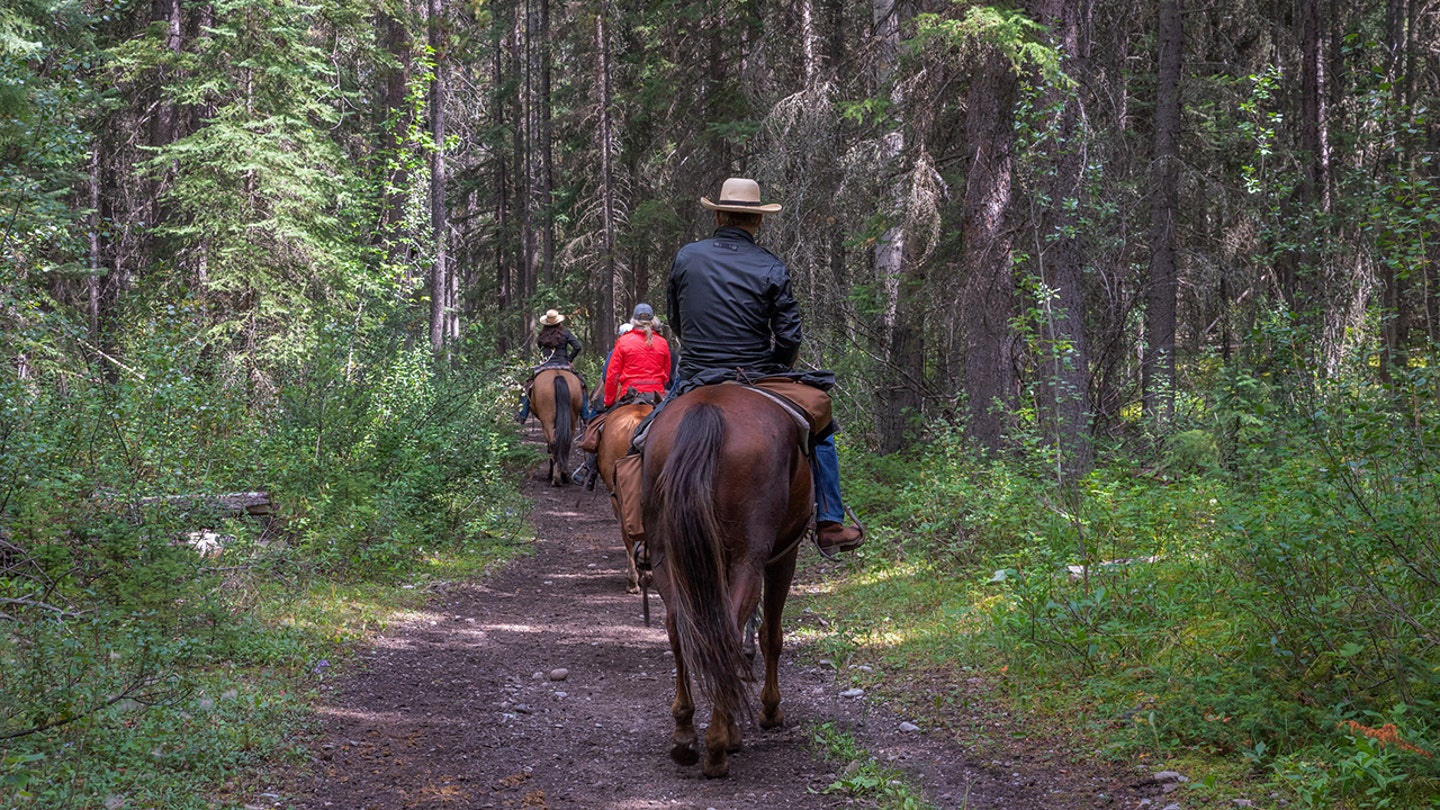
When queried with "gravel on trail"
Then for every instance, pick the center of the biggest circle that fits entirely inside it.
(540, 687)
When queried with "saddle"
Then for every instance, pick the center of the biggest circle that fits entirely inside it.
(554, 364)
(804, 395)
(596, 429)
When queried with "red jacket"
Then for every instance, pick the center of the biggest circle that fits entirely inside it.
(634, 364)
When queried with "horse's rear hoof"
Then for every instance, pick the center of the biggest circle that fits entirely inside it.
(769, 720)
(716, 770)
(684, 755)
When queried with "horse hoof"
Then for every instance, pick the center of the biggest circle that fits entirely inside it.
(684, 755)
(632, 588)
(718, 770)
(775, 720)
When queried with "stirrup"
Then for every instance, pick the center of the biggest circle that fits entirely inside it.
(641, 556)
(834, 553)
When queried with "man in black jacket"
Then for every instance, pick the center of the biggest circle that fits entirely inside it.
(732, 308)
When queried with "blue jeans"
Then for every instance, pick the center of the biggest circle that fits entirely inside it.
(825, 464)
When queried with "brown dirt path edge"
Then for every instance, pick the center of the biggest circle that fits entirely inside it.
(457, 709)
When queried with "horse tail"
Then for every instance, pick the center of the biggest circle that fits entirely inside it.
(564, 428)
(685, 522)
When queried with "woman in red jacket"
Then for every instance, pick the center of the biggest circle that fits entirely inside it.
(640, 360)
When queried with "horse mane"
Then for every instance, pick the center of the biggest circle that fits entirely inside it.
(692, 537)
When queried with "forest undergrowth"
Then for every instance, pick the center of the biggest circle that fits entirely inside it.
(1253, 602)
(159, 647)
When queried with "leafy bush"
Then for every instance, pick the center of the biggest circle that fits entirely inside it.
(1252, 613)
(124, 650)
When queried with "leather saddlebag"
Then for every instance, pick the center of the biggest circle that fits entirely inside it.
(628, 481)
(811, 400)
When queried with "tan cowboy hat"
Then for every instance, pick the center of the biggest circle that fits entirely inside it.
(552, 317)
(742, 196)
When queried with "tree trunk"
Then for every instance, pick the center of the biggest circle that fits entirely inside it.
(525, 239)
(545, 171)
(396, 109)
(442, 285)
(1065, 387)
(898, 394)
(989, 286)
(809, 43)
(163, 119)
(608, 280)
(1158, 380)
(92, 281)
(505, 264)
(1314, 143)
(162, 125)
(1394, 326)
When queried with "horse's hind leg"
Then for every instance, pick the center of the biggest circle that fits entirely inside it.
(682, 739)
(777, 587)
(722, 737)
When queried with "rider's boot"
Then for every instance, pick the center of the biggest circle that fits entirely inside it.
(832, 535)
(587, 471)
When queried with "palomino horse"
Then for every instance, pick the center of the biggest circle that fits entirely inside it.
(620, 426)
(555, 399)
(728, 497)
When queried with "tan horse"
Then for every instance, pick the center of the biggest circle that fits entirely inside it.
(620, 425)
(728, 498)
(552, 387)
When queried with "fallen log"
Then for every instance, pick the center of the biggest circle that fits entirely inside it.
(251, 503)
(257, 504)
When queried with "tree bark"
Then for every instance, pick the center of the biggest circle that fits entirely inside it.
(163, 120)
(505, 264)
(395, 129)
(901, 345)
(92, 281)
(521, 213)
(608, 280)
(442, 285)
(989, 286)
(1065, 388)
(546, 169)
(1158, 376)
(1314, 143)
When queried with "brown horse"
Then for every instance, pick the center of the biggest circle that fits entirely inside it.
(620, 425)
(728, 497)
(555, 400)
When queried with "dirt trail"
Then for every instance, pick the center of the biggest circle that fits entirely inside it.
(465, 707)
